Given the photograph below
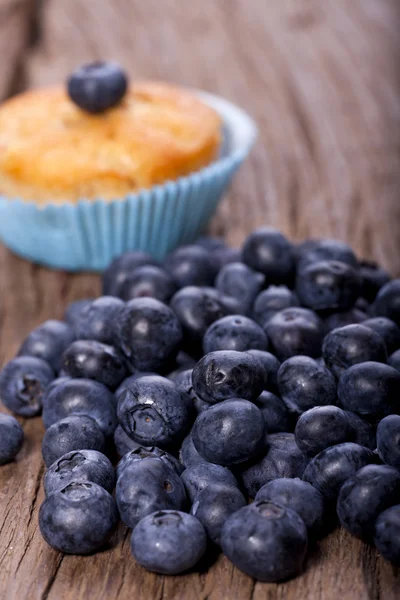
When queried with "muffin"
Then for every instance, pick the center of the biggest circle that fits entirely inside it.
(98, 167)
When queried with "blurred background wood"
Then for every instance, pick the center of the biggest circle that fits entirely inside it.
(323, 82)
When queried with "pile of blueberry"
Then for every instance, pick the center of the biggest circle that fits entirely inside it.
(253, 396)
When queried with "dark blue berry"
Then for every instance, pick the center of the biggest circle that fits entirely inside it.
(78, 519)
(266, 250)
(129, 380)
(364, 433)
(388, 440)
(97, 86)
(271, 367)
(234, 332)
(228, 374)
(99, 320)
(230, 432)
(145, 486)
(48, 342)
(388, 330)
(313, 251)
(366, 494)
(272, 300)
(121, 268)
(148, 452)
(300, 496)
(23, 382)
(210, 243)
(322, 427)
(265, 540)
(351, 345)
(75, 310)
(329, 469)
(148, 280)
(295, 331)
(93, 360)
(123, 443)
(191, 265)
(183, 382)
(224, 256)
(303, 383)
(79, 465)
(213, 505)
(239, 281)
(370, 389)
(394, 360)
(387, 302)
(80, 397)
(343, 318)
(373, 278)
(276, 415)
(11, 438)
(387, 534)
(188, 454)
(152, 411)
(150, 334)
(76, 432)
(205, 475)
(168, 542)
(281, 458)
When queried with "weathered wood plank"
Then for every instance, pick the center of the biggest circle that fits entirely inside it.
(322, 81)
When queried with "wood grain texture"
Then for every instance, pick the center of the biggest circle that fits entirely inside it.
(322, 81)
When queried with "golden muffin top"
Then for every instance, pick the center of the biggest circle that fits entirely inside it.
(52, 151)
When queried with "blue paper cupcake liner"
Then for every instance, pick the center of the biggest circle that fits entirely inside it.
(88, 234)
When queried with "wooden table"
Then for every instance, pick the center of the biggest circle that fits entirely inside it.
(322, 80)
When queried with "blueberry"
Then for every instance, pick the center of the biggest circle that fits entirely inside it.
(123, 443)
(265, 540)
(282, 458)
(11, 438)
(79, 519)
(197, 308)
(183, 382)
(373, 278)
(329, 469)
(387, 534)
(371, 490)
(191, 265)
(148, 280)
(351, 345)
(152, 411)
(23, 382)
(229, 432)
(224, 256)
(370, 389)
(303, 383)
(79, 465)
(276, 415)
(76, 432)
(150, 334)
(239, 281)
(184, 360)
(299, 496)
(121, 268)
(146, 486)
(388, 440)
(387, 302)
(206, 475)
(394, 360)
(388, 330)
(213, 505)
(168, 542)
(363, 305)
(48, 342)
(129, 380)
(99, 320)
(93, 360)
(74, 310)
(343, 318)
(234, 332)
(295, 331)
(80, 397)
(364, 433)
(227, 374)
(148, 452)
(272, 300)
(322, 427)
(320, 250)
(188, 454)
(266, 250)
(271, 367)
(328, 285)
(210, 243)
(97, 86)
